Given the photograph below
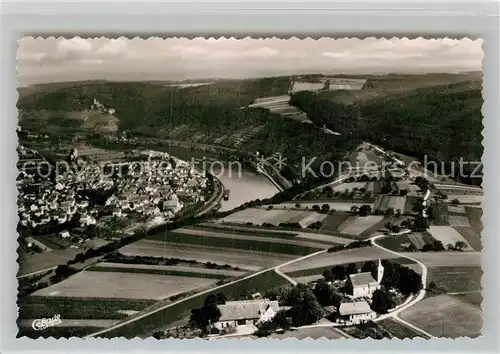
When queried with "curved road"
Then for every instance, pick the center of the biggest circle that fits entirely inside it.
(419, 297)
(393, 314)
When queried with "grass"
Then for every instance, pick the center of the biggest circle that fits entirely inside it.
(455, 279)
(445, 317)
(393, 243)
(260, 283)
(333, 221)
(475, 298)
(157, 271)
(399, 330)
(246, 232)
(57, 332)
(471, 236)
(78, 308)
(320, 270)
(252, 245)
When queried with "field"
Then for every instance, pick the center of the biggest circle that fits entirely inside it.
(259, 283)
(242, 230)
(445, 316)
(349, 186)
(447, 259)
(473, 237)
(458, 220)
(474, 298)
(337, 206)
(399, 330)
(385, 202)
(251, 243)
(455, 279)
(342, 257)
(79, 307)
(127, 285)
(310, 274)
(314, 333)
(280, 234)
(456, 209)
(466, 198)
(448, 235)
(45, 260)
(259, 216)
(333, 221)
(196, 272)
(237, 258)
(360, 224)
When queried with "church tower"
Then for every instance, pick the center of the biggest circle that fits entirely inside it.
(380, 271)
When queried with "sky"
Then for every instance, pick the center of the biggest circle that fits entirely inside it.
(59, 59)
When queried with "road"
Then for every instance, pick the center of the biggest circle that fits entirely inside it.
(394, 314)
(201, 293)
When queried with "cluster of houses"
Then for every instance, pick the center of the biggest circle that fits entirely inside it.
(160, 189)
(250, 313)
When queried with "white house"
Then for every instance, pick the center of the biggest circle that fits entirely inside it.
(64, 234)
(355, 312)
(363, 284)
(246, 312)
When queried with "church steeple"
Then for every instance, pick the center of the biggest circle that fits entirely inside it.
(380, 271)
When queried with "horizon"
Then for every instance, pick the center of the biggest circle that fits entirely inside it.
(54, 60)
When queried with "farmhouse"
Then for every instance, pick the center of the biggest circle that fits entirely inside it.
(363, 284)
(247, 312)
(355, 312)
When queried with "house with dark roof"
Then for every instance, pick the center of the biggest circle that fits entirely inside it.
(247, 312)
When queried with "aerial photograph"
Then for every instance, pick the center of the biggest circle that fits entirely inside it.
(223, 188)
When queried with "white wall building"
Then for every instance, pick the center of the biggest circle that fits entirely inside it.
(247, 312)
(363, 284)
(355, 312)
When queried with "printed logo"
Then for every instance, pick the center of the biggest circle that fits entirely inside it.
(44, 323)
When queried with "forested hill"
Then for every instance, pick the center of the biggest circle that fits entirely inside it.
(443, 123)
(209, 114)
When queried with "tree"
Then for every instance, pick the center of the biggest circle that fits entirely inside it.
(370, 266)
(324, 293)
(364, 210)
(297, 205)
(388, 225)
(270, 207)
(339, 272)
(389, 211)
(455, 202)
(316, 208)
(307, 311)
(325, 208)
(395, 229)
(420, 223)
(382, 301)
(208, 313)
(328, 275)
(398, 213)
(351, 269)
(460, 245)
(354, 209)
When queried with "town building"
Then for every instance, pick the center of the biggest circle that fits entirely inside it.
(246, 312)
(363, 284)
(355, 312)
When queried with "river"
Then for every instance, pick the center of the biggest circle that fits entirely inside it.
(244, 186)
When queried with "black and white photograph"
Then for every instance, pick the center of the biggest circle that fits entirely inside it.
(222, 188)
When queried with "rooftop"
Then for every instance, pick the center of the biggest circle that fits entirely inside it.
(361, 279)
(354, 308)
(248, 309)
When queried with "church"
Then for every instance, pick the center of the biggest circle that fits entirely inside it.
(363, 284)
